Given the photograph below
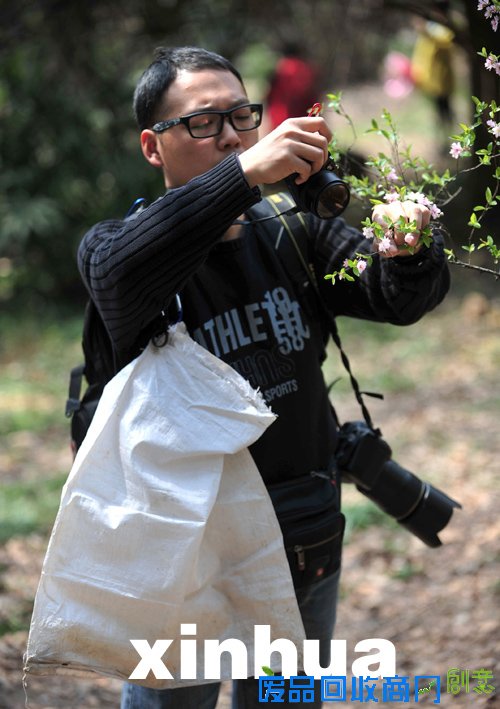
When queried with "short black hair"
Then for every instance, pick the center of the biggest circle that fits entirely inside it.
(162, 72)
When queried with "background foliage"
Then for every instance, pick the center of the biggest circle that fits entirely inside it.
(69, 156)
(69, 153)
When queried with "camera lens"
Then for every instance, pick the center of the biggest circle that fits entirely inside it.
(397, 491)
(365, 459)
(431, 516)
(332, 200)
(324, 193)
(421, 508)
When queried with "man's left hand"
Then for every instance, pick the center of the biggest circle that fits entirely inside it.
(398, 240)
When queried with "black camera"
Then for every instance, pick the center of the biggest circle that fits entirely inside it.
(324, 193)
(364, 458)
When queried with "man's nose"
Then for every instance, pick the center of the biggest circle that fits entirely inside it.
(229, 135)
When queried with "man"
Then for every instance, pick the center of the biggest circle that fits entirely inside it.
(199, 241)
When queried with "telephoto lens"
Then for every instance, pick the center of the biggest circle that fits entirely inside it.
(364, 458)
(324, 194)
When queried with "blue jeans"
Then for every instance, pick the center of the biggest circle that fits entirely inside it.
(317, 604)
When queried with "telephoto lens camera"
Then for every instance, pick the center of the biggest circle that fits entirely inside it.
(364, 458)
(324, 193)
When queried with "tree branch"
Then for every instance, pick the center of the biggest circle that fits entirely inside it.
(482, 269)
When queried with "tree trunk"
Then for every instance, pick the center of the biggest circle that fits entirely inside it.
(484, 84)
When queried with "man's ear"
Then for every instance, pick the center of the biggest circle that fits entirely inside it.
(149, 145)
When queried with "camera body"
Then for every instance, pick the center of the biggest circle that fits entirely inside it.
(364, 458)
(324, 194)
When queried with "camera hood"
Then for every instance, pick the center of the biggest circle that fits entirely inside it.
(324, 194)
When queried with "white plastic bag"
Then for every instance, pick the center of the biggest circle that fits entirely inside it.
(164, 520)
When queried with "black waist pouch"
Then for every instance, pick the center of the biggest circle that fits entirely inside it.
(312, 525)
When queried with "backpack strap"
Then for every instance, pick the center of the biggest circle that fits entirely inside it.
(74, 391)
(296, 229)
(294, 224)
(291, 240)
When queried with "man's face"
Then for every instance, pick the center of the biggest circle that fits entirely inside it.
(183, 157)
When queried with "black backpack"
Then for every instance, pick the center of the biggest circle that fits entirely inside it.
(98, 369)
(100, 365)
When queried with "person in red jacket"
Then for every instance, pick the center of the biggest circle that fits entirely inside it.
(294, 87)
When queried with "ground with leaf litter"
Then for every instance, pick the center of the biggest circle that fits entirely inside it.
(440, 607)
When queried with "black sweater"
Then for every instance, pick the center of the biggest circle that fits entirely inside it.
(240, 302)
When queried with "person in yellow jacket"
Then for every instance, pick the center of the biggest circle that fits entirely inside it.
(432, 68)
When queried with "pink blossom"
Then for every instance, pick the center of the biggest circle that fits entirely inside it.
(420, 198)
(409, 238)
(415, 196)
(495, 129)
(345, 263)
(368, 232)
(384, 244)
(435, 211)
(491, 62)
(361, 266)
(392, 175)
(491, 12)
(456, 150)
(391, 196)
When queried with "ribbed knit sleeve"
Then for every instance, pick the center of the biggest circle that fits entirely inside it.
(397, 290)
(133, 269)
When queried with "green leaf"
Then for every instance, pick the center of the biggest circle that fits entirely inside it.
(473, 222)
(267, 670)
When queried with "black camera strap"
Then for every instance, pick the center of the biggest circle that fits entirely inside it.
(287, 219)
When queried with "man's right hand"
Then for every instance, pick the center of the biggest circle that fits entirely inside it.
(298, 145)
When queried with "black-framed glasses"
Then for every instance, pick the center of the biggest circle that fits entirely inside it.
(206, 124)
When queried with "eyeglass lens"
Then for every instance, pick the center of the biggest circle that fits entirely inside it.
(206, 125)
